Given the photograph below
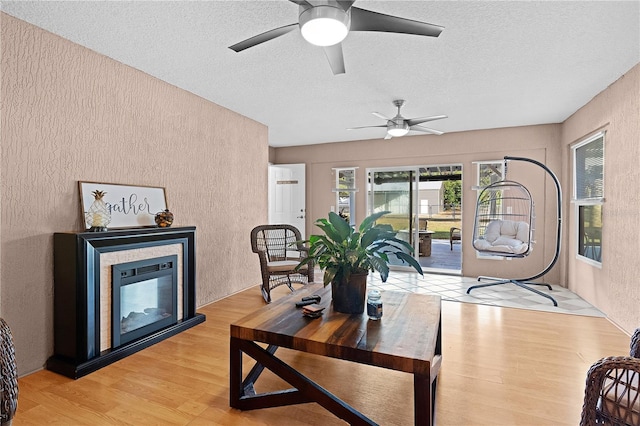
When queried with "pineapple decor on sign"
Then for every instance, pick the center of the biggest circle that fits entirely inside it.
(98, 216)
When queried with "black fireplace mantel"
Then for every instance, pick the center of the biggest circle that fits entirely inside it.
(77, 294)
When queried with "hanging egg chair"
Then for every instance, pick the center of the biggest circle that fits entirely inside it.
(505, 225)
(504, 220)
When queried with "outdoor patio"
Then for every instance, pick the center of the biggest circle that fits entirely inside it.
(443, 259)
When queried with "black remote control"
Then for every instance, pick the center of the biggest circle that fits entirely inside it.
(305, 303)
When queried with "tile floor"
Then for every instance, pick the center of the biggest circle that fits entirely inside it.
(454, 288)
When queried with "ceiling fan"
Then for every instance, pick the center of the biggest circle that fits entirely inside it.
(327, 22)
(400, 126)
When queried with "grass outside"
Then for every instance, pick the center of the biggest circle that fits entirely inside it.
(440, 224)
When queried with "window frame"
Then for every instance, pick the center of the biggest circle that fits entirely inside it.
(479, 187)
(581, 202)
(345, 191)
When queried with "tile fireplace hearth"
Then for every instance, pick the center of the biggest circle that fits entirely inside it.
(118, 292)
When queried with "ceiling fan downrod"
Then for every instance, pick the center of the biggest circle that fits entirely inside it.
(398, 126)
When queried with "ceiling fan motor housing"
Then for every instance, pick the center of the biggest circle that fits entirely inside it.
(397, 127)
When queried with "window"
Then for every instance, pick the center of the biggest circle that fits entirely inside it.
(489, 172)
(346, 194)
(588, 196)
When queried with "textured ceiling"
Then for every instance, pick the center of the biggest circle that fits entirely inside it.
(496, 64)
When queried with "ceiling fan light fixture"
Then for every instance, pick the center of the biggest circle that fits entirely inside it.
(324, 25)
(398, 129)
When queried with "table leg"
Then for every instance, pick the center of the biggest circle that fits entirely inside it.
(252, 376)
(235, 373)
(424, 399)
(304, 391)
(424, 393)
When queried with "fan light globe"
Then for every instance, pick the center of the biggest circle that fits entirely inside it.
(324, 25)
(397, 130)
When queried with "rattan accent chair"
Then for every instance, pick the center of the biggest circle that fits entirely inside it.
(280, 249)
(8, 375)
(612, 393)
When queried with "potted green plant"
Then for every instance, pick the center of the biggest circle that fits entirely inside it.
(347, 256)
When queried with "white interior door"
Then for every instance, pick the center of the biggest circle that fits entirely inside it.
(287, 195)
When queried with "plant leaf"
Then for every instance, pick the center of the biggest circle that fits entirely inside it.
(387, 228)
(381, 266)
(354, 241)
(303, 262)
(329, 275)
(329, 230)
(369, 237)
(340, 225)
(410, 260)
(395, 242)
(370, 220)
(314, 238)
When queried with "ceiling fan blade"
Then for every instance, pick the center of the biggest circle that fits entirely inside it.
(301, 3)
(261, 38)
(366, 127)
(388, 136)
(367, 20)
(426, 130)
(377, 114)
(414, 121)
(335, 58)
(345, 4)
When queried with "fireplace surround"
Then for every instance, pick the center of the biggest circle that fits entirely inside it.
(85, 269)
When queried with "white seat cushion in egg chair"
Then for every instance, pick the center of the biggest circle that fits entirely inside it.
(505, 236)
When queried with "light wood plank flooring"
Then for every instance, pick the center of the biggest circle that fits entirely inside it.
(501, 366)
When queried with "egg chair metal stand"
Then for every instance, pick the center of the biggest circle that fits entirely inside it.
(504, 226)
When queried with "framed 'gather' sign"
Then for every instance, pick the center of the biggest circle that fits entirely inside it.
(129, 206)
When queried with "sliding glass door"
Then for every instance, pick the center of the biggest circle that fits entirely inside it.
(394, 190)
(425, 206)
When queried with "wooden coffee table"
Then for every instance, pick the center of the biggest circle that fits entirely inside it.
(408, 338)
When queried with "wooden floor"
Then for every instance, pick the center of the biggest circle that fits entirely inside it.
(501, 366)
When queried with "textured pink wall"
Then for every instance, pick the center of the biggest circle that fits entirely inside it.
(614, 288)
(70, 114)
(538, 142)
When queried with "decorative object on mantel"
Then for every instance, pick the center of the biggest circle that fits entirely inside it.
(98, 216)
(164, 219)
(347, 256)
(129, 206)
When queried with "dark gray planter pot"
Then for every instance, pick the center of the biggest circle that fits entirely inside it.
(349, 297)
